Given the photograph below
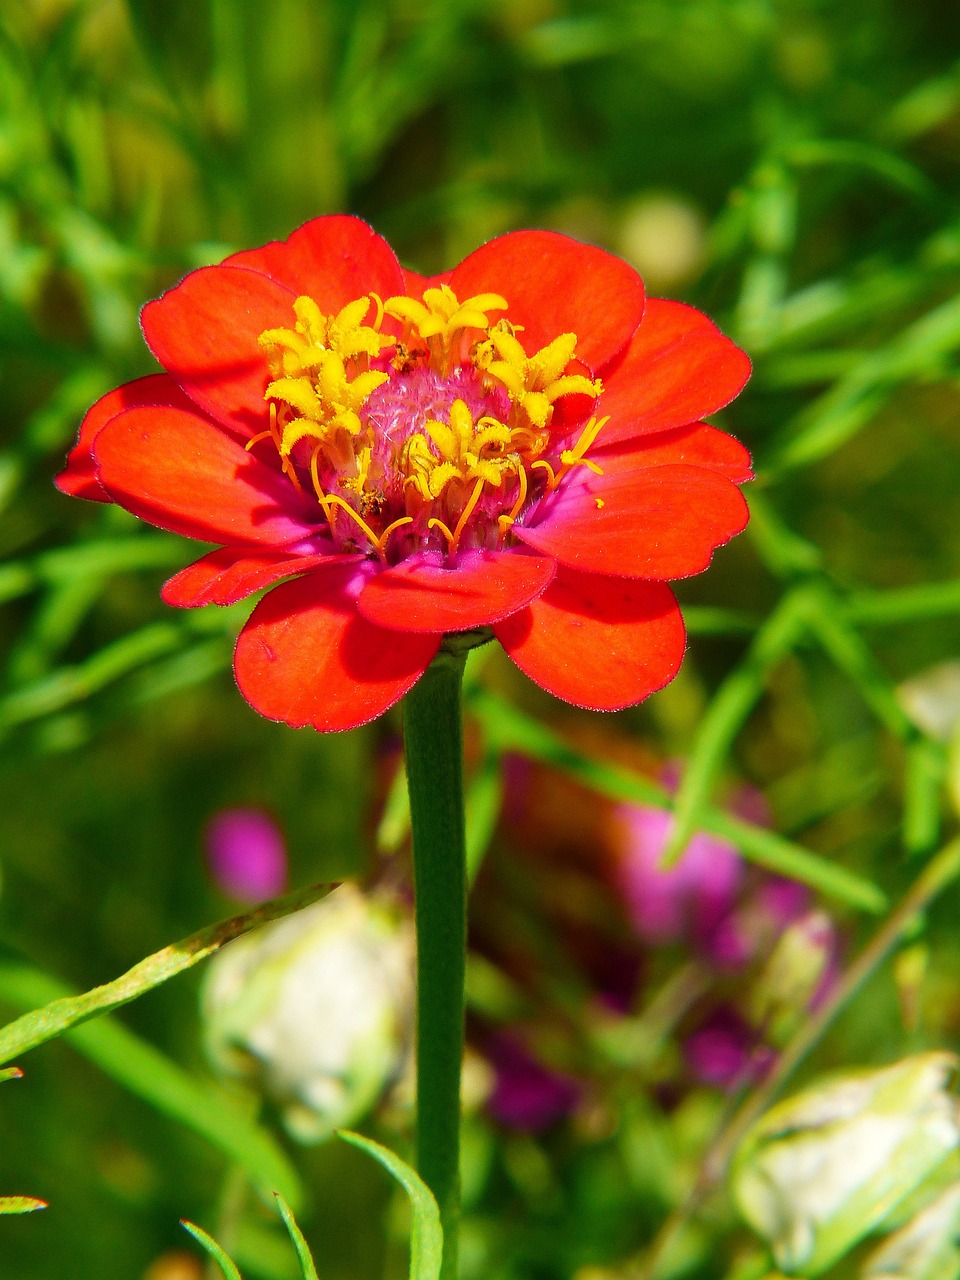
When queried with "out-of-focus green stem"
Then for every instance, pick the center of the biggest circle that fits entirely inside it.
(433, 741)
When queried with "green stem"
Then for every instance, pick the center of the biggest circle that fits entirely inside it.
(433, 740)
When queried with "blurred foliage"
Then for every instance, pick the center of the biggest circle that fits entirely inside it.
(788, 165)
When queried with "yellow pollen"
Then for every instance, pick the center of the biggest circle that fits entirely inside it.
(432, 475)
(535, 382)
(441, 319)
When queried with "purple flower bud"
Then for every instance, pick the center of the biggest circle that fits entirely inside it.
(723, 1051)
(690, 898)
(527, 1095)
(246, 854)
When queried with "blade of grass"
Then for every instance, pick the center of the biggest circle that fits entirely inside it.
(66, 1011)
(725, 716)
(213, 1250)
(156, 1079)
(836, 416)
(307, 1265)
(511, 730)
(426, 1238)
(904, 604)
(850, 653)
(90, 559)
(21, 1204)
(941, 871)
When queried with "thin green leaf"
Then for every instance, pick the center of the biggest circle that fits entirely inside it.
(426, 1239)
(210, 1246)
(150, 1075)
(510, 729)
(21, 1204)
(861, 155)
(924, 776)
(905, 604)
(835, 417)
(853, 656)
(307, 1265)
(725, 716)
(89, 559)
(68, 1011)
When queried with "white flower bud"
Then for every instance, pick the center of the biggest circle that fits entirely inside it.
(316, 1008)
(822, 1169)
(925, 1248)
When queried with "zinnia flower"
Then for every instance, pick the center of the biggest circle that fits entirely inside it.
(511, 447)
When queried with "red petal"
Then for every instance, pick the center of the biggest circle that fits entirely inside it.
(182, 472)
(698, 445)
(79, 477)
(421, 595)
(679, 367)
(333, 260)
(228, 574)
(556, 285)
(204, 332)
(414, 283)
(659, 522)
(307, 657)
(597, 642)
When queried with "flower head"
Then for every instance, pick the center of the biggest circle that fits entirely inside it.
(513, 448)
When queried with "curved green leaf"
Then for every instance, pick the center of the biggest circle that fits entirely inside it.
(307, 1265)
(426, 1239)
(210, 1246)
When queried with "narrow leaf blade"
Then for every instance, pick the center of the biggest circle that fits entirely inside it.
(426, 1240)
(210, 1246)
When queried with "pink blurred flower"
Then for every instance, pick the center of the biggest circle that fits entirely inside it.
(724, 1051)
(526, 1095)
(246, 854)
(689, 899)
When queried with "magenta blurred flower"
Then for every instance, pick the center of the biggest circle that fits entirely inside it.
(246, 854)
(689, 899)
(719, 1052)
(527, 1095)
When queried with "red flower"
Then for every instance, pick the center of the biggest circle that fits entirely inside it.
(514, 445)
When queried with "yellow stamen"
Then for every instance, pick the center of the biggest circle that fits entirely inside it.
(444, 529)
(335, 500)
(397, 524)
(551, 477)
(465, 515)
(535, 382)
(261, 435)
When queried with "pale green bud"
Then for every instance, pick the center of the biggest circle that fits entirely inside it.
(316, 1009)
(792, 976)
(822, 1169)
(924, 1249)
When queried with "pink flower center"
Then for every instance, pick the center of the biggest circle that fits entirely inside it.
(439, 434)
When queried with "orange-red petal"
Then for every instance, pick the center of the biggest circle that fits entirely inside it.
(333, 259)
(597, 642)
(308, 657)
(697, 445)
(556, 285)
(79, 476)
(656, 522)
(229, 574)
(182, 472)
(204, 332)
(678, 368)
(421, 594)
(414, 283)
